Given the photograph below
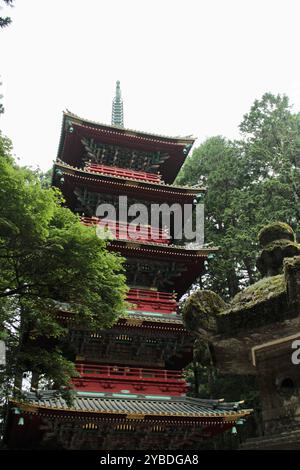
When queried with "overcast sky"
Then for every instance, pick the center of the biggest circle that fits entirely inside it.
(186, 67)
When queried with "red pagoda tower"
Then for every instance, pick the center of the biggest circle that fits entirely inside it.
(131, 392)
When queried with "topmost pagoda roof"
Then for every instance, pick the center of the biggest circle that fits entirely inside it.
(170, 152)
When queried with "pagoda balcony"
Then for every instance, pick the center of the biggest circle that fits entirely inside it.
(124, 231)
(138, 175)
(119, 379)
(152, 301)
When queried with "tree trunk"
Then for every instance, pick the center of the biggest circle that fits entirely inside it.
(35, 380)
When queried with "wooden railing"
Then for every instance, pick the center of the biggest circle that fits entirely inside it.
(122, 230)
(115, 372)
(152, 301)
(123, 172)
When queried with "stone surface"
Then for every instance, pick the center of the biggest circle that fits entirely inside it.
(254, 334)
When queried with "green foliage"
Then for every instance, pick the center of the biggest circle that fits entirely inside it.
(5, 21)
(216, 164)
(48, 260)
(1, 105)
(45, 178)
(251, 183)
(207, 382)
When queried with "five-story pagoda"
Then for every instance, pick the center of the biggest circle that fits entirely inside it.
(131, 391)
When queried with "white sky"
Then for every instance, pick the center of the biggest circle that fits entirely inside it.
(186, 67)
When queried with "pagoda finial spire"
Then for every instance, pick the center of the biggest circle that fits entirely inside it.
(117, 108)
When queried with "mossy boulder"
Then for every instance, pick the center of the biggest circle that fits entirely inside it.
(275, 231)
(270, 260)
(262, 303)
(200, 310)
(292, 265)
(292, 276)
(272, 299)
(202, 352)
(261, 291)
(278, 242)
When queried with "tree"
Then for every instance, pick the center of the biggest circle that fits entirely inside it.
(45, 177)
(251, 182)
(5, 21)
(48, 259)
(1, 105)
(215, 164)
(271, 148)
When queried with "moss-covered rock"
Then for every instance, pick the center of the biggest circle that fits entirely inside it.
(261, 291)
(262, 303)
(202, 352)
(200, 310)
(270, 261)
(274, 298)
(292, 264)
(292, 277)
(275, 231)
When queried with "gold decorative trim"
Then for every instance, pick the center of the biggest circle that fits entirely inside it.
(135, 416)
(134, 321)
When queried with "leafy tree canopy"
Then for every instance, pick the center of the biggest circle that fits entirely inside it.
(251, 182)
(48, 261)
(1, 105)
(5, 21)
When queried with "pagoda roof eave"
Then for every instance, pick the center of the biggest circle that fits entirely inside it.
(138, 319)
(191, 258)
(102, 404)
(70, 144)
(159, 249)
(141, 185)
(144, 320)
(184, 140)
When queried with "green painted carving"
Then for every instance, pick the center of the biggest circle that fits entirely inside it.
(122, 157)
